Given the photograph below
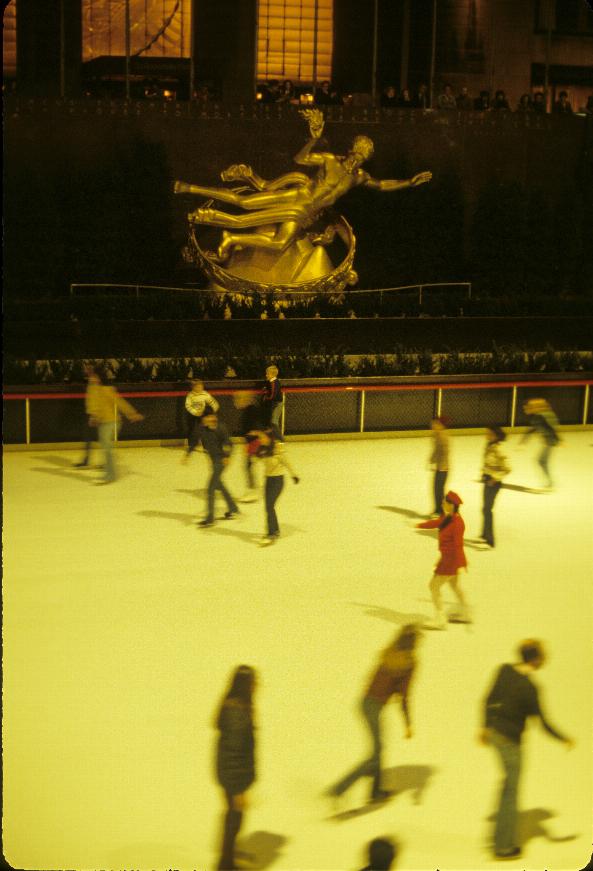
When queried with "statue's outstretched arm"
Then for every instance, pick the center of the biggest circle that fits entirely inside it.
(392, 184)
(314, 118)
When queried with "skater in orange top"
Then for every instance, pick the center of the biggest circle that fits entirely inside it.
(451, 528)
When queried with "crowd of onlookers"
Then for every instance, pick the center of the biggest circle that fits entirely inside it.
(327, 94)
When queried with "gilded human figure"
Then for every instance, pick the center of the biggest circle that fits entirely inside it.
(292, 202)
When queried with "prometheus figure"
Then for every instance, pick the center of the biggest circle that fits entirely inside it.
(292, 202)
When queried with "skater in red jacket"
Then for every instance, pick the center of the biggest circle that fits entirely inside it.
(451, 528)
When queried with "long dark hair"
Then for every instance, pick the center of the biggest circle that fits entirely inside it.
(240, 691)
(274, 435)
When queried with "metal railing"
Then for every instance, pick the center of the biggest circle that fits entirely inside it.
(331, 408)
(137, 288)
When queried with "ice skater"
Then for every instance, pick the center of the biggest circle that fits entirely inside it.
(105, 407)
(543, 421)
(494, 468)
(439, 460)
(235, 757)
(197, 402)
(511, 700)
(91, 431)
(271, 402)
(392, 677)
(249, 425)
(273, 452)
(215, 440)
(451, 528)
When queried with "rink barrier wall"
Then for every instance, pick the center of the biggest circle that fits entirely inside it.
(54, 415)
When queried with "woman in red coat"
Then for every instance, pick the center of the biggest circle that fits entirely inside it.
(451, 528)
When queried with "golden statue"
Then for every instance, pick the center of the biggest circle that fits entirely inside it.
(278, 216)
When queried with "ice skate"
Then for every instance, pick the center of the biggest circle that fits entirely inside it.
(250, 496)
(266, 541)
(438, 623)
(460, 616)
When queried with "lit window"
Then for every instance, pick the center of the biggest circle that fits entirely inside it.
(9, 40)
(158, 28)
(295, 40)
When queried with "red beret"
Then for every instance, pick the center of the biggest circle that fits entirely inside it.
(453, 498)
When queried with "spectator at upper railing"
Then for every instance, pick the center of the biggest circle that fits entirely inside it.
(327, 95)
(482, 103)
(500, 100)
(446, 100)
(562, 105)
(464, 101)
(287, 92)
(421, 97)
(389, 98)
(539, 103)
(405, 100)
(525, 104)
(587, 109)
(270, 91)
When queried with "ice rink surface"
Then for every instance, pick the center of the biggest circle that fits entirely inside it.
(123, 621)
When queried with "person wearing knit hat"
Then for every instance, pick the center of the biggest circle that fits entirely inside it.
(451, 528)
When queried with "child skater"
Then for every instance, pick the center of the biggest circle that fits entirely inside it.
(197, 402)
(451, 528)
(275, 460)
(271, 401)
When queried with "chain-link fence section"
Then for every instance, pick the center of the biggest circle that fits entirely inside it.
(357, 409)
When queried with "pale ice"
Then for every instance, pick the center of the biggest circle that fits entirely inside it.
(123, 621)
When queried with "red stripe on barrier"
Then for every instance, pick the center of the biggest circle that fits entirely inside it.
(473, 385)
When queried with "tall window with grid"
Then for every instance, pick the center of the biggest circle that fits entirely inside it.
(295, 40)
(158, 28)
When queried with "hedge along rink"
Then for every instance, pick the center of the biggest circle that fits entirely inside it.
(298, 363)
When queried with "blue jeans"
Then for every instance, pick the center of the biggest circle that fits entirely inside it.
(371, 767)
(506, 815)
(215, 484)
(543, 460)
(274, 485)
(490, 494)
(107, 433)
(440, 479)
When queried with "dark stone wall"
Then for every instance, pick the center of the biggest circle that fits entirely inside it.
(88, 191)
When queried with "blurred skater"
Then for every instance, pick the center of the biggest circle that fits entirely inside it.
(91, 431)
(543, 421)
(511, 700)
(215, 440)
(249, 424)
(392, 677)
(494, 469)
(271, 402)
(273, 452)
(105, 407)
(451, 528)
(197, 402)
(235, 758)
(439, 460)
(382, 852)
